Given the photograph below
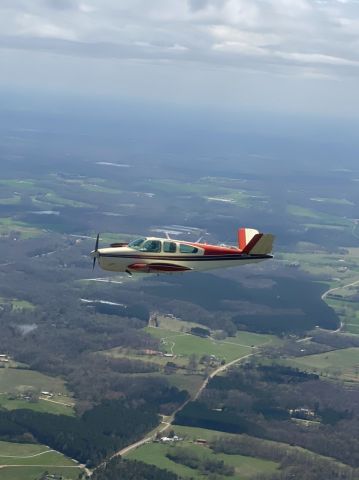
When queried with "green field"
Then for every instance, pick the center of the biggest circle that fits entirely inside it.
(343, 363)
(183, 381)
(245, 467)
(31, 454)
(242, 338)
(8, 225)
(27, 461)
(57, 200)
(17, 304)
(15, 200)
(183, 345)
(240, 198)
(186, 345)
(320, 217)
(38, 406)
(340, 271)
(13, 380)
(33, 473)
(18, 184)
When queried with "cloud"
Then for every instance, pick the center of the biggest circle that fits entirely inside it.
(61, 4)
(263, 35)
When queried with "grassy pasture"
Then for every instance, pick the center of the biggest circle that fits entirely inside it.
(33, 473)
(182, 188)
(240, 198)
(343, 363)
(183, 381)
(43, 406)
(245, 467)
(242, 338)
(8, 225)
(341, 270)
(186, 345)
(328, 265)
(17, 304)
(15, 200)
(18, 184)
(57, 200)
(21, 461)
(320, 217)
(175, 324)
(17, 380)
(30, 454)
(333, 201)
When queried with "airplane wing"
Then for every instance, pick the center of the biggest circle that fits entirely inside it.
(157, 268)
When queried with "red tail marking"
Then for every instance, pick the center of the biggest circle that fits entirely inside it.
(252, 243)
(241, 238)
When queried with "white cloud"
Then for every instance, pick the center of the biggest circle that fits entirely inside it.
(34, 26)
(324, 32)
(312, 39)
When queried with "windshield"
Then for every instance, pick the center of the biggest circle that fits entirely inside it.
(137, 244)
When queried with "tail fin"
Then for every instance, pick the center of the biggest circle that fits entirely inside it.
(250, 241)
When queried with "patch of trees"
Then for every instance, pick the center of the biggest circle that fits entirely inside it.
(89, 439)
(269, 401)
(294, 462)
(336, 340)
(205, 465)
(91, 386)
(197, 414)
(200, 332)
(211, 305)
(292, 348)
(133, 311)
(117, 468)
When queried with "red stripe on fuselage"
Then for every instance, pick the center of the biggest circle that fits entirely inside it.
(216, 249)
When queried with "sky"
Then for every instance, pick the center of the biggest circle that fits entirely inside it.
(292, 56)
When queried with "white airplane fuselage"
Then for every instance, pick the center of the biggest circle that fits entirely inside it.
(158, 255)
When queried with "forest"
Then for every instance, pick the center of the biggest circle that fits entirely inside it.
(51, 207)
(118, 468)
(91, 438)
(280, 403)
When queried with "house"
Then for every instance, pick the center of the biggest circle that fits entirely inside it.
(47, 394)
(201, 441)
(175, 438)
(148, 351)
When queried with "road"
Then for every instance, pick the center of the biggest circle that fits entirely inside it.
(168, 423)
(331, 290)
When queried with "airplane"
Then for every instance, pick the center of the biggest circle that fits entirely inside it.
(166, 255)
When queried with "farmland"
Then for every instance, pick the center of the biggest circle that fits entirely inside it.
(185, 345)
(14, 457)
(342, 363)
(245, 467)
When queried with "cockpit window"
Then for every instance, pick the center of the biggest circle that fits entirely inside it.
(137, 244)
(188, 249)
(169, 247)
(151, 246)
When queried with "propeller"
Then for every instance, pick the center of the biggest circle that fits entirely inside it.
(95, 255)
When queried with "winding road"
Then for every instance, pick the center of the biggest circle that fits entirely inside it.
(169, 422)
(331, 290)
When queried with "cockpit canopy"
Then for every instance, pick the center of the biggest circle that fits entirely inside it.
(154, 245)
